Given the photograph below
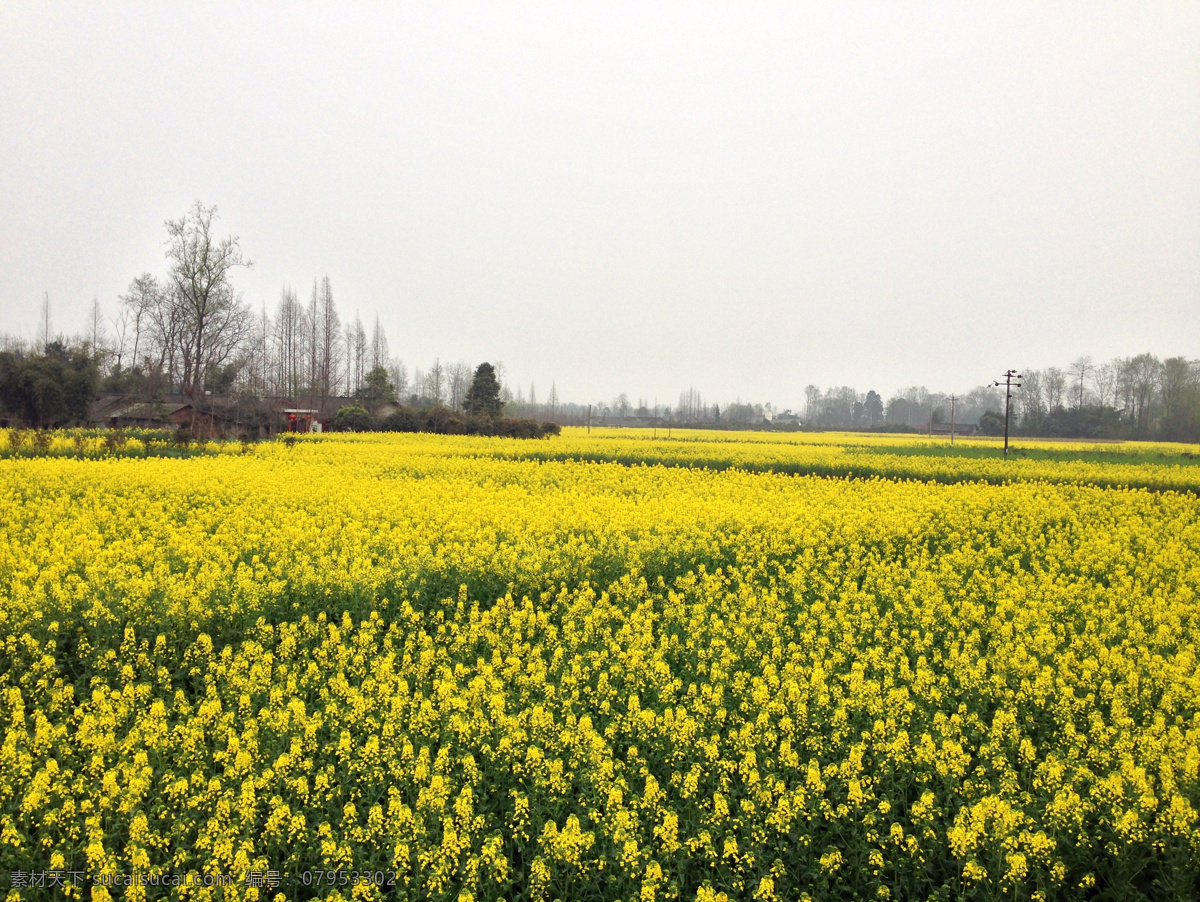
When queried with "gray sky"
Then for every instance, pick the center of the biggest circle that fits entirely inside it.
(637, 197)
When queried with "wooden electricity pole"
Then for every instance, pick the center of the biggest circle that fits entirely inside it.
(1011, 380)
(952, 400)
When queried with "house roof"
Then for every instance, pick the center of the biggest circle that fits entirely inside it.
(104, 405)
(150, 411)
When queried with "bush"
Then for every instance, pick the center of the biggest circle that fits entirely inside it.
(353, 418)
(444, 421)
(402, 420)
(991, 423)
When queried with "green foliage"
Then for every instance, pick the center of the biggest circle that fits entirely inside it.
(378, 386)
(991, 423)
(483, 397)
(443, 421)
(353, 418)
(46, 390)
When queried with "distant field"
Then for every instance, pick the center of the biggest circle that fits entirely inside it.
(605, 666)
(1150, 465)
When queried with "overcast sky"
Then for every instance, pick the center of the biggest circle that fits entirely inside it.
(632, 197)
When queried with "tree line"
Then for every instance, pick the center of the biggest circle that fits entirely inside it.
(188, 333)
(1139, 397)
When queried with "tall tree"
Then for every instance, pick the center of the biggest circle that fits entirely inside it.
(1080, 369)
(1055, 387)
(483, 397)
(458, 380)
(97, 338)
(812, 403)
(331, 337)
(873, 407)
(289, 342)
(1104, 381)
(214, 319)
(1143, 373)
(379, 345)
(140, 303)
(360, 352)
(435, 382)
(44, 324)
(399, 374)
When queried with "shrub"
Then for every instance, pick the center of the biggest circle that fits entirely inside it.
(353, 418)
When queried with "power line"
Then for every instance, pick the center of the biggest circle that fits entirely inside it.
(1011, 379)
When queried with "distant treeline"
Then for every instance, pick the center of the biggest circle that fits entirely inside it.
(181, 335)
(440, 420)
(1139, 397)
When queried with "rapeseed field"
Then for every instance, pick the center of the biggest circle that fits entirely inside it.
(422, 667)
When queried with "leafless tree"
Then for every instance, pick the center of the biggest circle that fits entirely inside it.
(1080, 369)
(140, 306)
(1032, 396)
(398, 373)
(812, 403)
(213, 318)
(360, 353)
(691, 405)
(458, 380)
(1142, 375)
(1055, 387)
(435, 382)
(44, 324)
(379, 346)
(1178, 379)
(330, 339)
(289, 344)
(97, 339)
(121, 323)
(1104, 381)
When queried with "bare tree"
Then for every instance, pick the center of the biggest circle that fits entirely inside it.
(1142, 377)
(812, 403)
(121, 323)
(97, 338)
(330, 336)
(348, 346)
(458, 380)
(289, 343)
(379, 345)
(1055, 387)
(1178, 379)
(44, 324)
(1104, 381)
(691, 405)
(435, 382)
(313, 335)
(140, 305)
(214, 319)
(360, 353)
(399, 376)
(1080, 369)
(1032, 396)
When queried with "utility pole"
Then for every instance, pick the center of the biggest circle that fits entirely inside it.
(1011, 380)
(952, 400)
(589, 419)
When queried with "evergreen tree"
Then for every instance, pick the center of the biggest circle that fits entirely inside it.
(483, 397)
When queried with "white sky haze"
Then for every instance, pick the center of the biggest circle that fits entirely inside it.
(743, 197)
